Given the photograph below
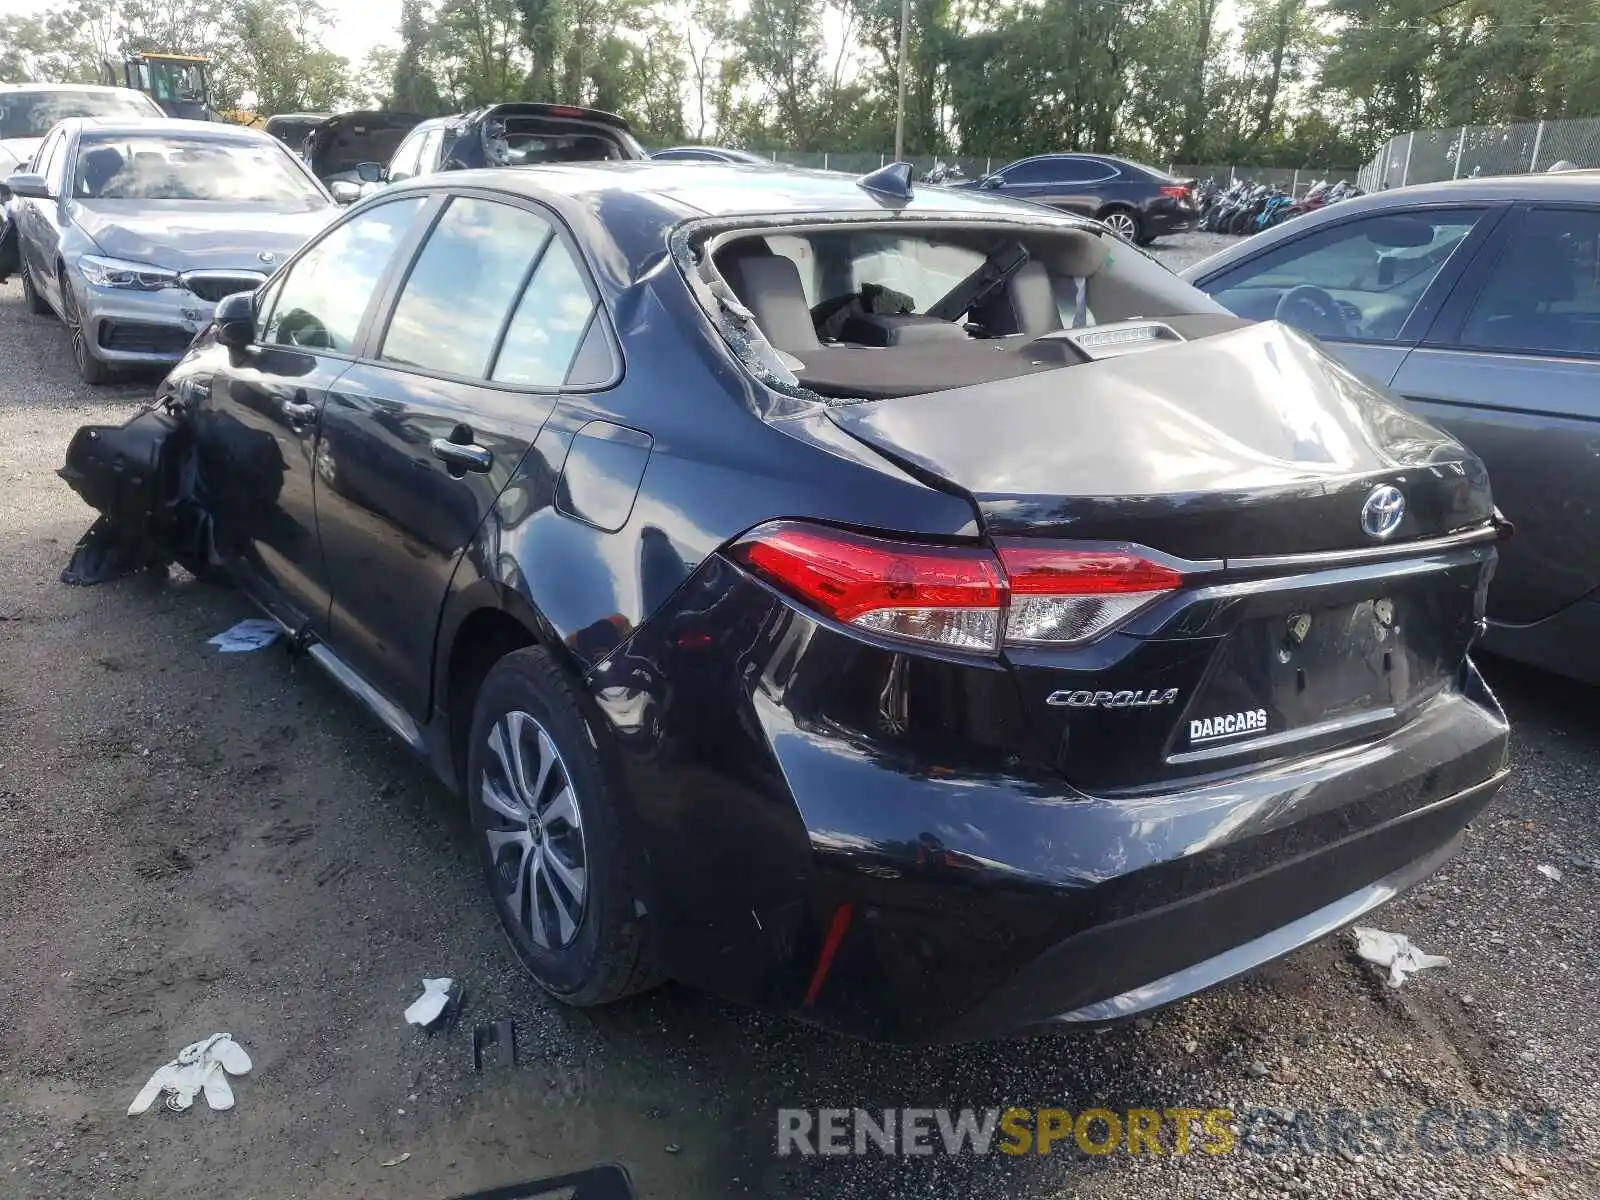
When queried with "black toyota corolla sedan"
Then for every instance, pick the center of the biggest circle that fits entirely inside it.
(920, 613)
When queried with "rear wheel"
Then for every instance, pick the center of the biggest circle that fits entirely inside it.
(552, 835)
(37, 304)
(93, 369)
(1123, 223)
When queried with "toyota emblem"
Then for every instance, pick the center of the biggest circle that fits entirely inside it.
(268, 257)
(1384, 510)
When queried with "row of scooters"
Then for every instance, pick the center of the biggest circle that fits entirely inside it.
(1246, 207)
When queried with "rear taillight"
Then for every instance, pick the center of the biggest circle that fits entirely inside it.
(1176, 191)
(961, 597)
(952, 596)
(1068, 597)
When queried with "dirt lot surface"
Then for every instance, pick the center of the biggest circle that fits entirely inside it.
(193, 842)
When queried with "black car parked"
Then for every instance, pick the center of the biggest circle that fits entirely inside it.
(513, 135)
(912, 612)
(1139, 203)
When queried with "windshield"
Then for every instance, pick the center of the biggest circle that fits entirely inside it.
(167, 168)
(32, 114)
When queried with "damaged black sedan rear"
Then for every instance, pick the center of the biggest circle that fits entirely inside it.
(922, 614)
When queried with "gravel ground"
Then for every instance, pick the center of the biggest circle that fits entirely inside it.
(192, 843)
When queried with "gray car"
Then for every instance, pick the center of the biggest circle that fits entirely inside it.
(132, 231)
(1477, 301)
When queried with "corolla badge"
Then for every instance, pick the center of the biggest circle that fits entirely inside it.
(1384, 510)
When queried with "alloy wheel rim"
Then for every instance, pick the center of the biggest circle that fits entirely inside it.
(534, 831)
(1121, 224)
(74, 325)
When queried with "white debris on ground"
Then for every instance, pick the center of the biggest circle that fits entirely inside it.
(1395, 951)
(200, 1067)
(1551, 873)
(425, 1009)
(250, 634)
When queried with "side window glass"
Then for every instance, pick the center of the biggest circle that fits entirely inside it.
(1360, 280)
(404, 163)
(324, 295)
(549, 324)
(49, 155)
(1543, 296)
(462, 286)
(1038, 171)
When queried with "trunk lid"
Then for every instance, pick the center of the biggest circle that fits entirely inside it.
(1249, 460)
(340, 144)
(1252, 442)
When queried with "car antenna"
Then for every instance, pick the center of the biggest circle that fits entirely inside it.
(892, 181)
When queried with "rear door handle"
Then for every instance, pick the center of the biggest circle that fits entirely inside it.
(462, 456)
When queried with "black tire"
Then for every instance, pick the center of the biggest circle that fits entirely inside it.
(37, 304)
(92, 369)
(526, 694)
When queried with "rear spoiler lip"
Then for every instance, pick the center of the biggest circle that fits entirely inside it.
(555, 112)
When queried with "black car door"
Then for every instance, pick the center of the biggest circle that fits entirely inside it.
(1075, 185)
(1512, 368)
(257, 434)
(422, 435)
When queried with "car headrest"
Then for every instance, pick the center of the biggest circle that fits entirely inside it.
(769, 286)
(100, 167)
(1027, 305)
(1077, 255)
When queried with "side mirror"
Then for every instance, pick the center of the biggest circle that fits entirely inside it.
(344, 191)
(371, 172)
(235, 319)
(25, 183)
(991, 182)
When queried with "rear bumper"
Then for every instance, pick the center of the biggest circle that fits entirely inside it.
(849, 835)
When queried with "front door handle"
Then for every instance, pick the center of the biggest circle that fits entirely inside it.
(298, 414)
(462, 456)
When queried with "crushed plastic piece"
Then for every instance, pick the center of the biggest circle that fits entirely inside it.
(500, 1037)
(1551, 873)
(395, 1162)
(427, 1008)
(252, 634)
(200, 1067)
(1395, 951)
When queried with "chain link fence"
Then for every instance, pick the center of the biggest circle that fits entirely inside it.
(1468, 151)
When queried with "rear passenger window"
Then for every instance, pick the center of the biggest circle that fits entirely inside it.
(1544, 294)
(462, 285)
(549, 323)
(325, 293)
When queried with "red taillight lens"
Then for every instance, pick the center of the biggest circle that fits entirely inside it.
(949, 595)
(963, 597)
(1177, 191)
(1067, 597)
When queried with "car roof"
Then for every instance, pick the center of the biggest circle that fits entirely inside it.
(65, 87)
(216, 131)
(726, 189)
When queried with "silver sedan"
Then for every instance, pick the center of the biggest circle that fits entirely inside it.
(131, 232)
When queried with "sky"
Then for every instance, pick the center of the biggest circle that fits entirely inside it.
(358, 25)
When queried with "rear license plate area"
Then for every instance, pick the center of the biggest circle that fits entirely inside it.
(1313, 670)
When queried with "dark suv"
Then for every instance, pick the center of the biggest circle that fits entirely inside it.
(1139, 203)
